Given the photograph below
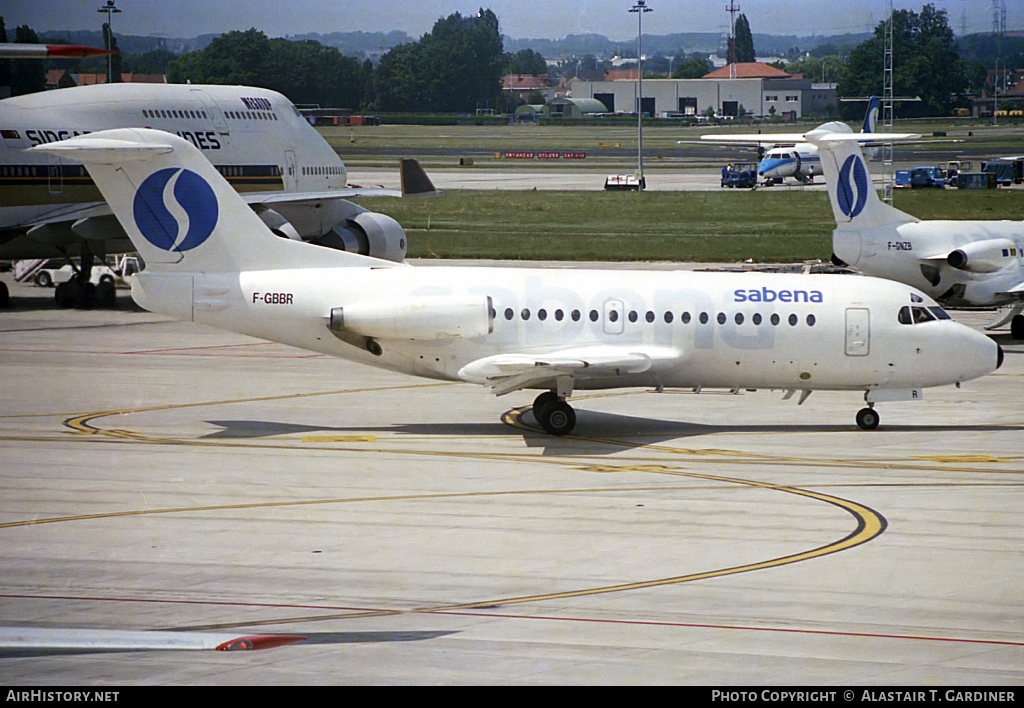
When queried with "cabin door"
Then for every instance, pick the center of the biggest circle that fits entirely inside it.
(858, 331)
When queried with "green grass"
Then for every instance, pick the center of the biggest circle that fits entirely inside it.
(722, 227)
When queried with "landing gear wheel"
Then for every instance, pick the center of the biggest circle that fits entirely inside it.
(558, 418)
(63, 296)
(1017, 327)
(106, 294)
(541, 402)
(867, 419)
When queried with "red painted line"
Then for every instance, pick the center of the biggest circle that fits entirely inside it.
(214, 346)
(549, 618)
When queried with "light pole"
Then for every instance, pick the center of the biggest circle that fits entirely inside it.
(640, 8)
(110, 9)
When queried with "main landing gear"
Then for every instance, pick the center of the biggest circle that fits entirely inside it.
(554, 415)
(1017, 327)
(867, 418)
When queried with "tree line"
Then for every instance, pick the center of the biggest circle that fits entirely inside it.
(457, 66)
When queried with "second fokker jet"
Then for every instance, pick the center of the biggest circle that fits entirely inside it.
(960, 263)
(211, 260)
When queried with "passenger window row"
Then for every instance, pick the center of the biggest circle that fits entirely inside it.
(668, 317)
(325, 170)
(173, 114)
(250, 115)
(196, 115)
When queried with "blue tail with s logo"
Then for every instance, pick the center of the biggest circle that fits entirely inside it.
(196, 234)
(855, 202)
(180, 213)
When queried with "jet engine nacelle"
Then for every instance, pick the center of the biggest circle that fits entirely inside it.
(369, 234)
(983, 256)
(339, 224)
(423, 318)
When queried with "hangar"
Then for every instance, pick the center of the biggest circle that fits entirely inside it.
(751, 88)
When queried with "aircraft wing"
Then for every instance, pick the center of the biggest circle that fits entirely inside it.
(50, 233)
(754, 139)
(505, 373)
(415, 183)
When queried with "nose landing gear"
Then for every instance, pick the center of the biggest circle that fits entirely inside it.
(867, 418)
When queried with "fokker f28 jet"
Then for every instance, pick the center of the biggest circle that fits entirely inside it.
(257, 139)
(211, 260)
(959, 263)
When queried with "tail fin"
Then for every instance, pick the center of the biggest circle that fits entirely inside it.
(871, 123)
(415, 182)
(179, 212)
(871, 116)
(855, 203)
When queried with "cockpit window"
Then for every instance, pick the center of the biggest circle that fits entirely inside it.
(917, 315)
(921, 314)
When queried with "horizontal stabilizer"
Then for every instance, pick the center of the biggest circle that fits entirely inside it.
(105, 151)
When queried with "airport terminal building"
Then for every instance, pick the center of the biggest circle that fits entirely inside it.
(756, 88)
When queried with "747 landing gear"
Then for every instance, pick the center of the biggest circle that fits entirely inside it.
(1017, 327)
(554, 415)
(867, 418)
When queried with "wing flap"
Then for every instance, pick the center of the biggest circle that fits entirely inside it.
(508, 372)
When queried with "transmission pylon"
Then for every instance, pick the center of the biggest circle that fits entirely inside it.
(888, 173)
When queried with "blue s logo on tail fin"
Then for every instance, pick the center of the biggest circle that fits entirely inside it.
(871, 116)
(175, 209)
(852, 196)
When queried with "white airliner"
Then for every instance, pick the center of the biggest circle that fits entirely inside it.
(211, 260)
(790, 155)
(959, 263)
(259, 142)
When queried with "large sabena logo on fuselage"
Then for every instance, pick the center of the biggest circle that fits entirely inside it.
(175, 209)
(852, 194)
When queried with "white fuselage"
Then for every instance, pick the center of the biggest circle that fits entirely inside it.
(254, 137)
(719, 329)
(787, 161)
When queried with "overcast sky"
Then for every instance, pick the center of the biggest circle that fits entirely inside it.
(519, 18)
